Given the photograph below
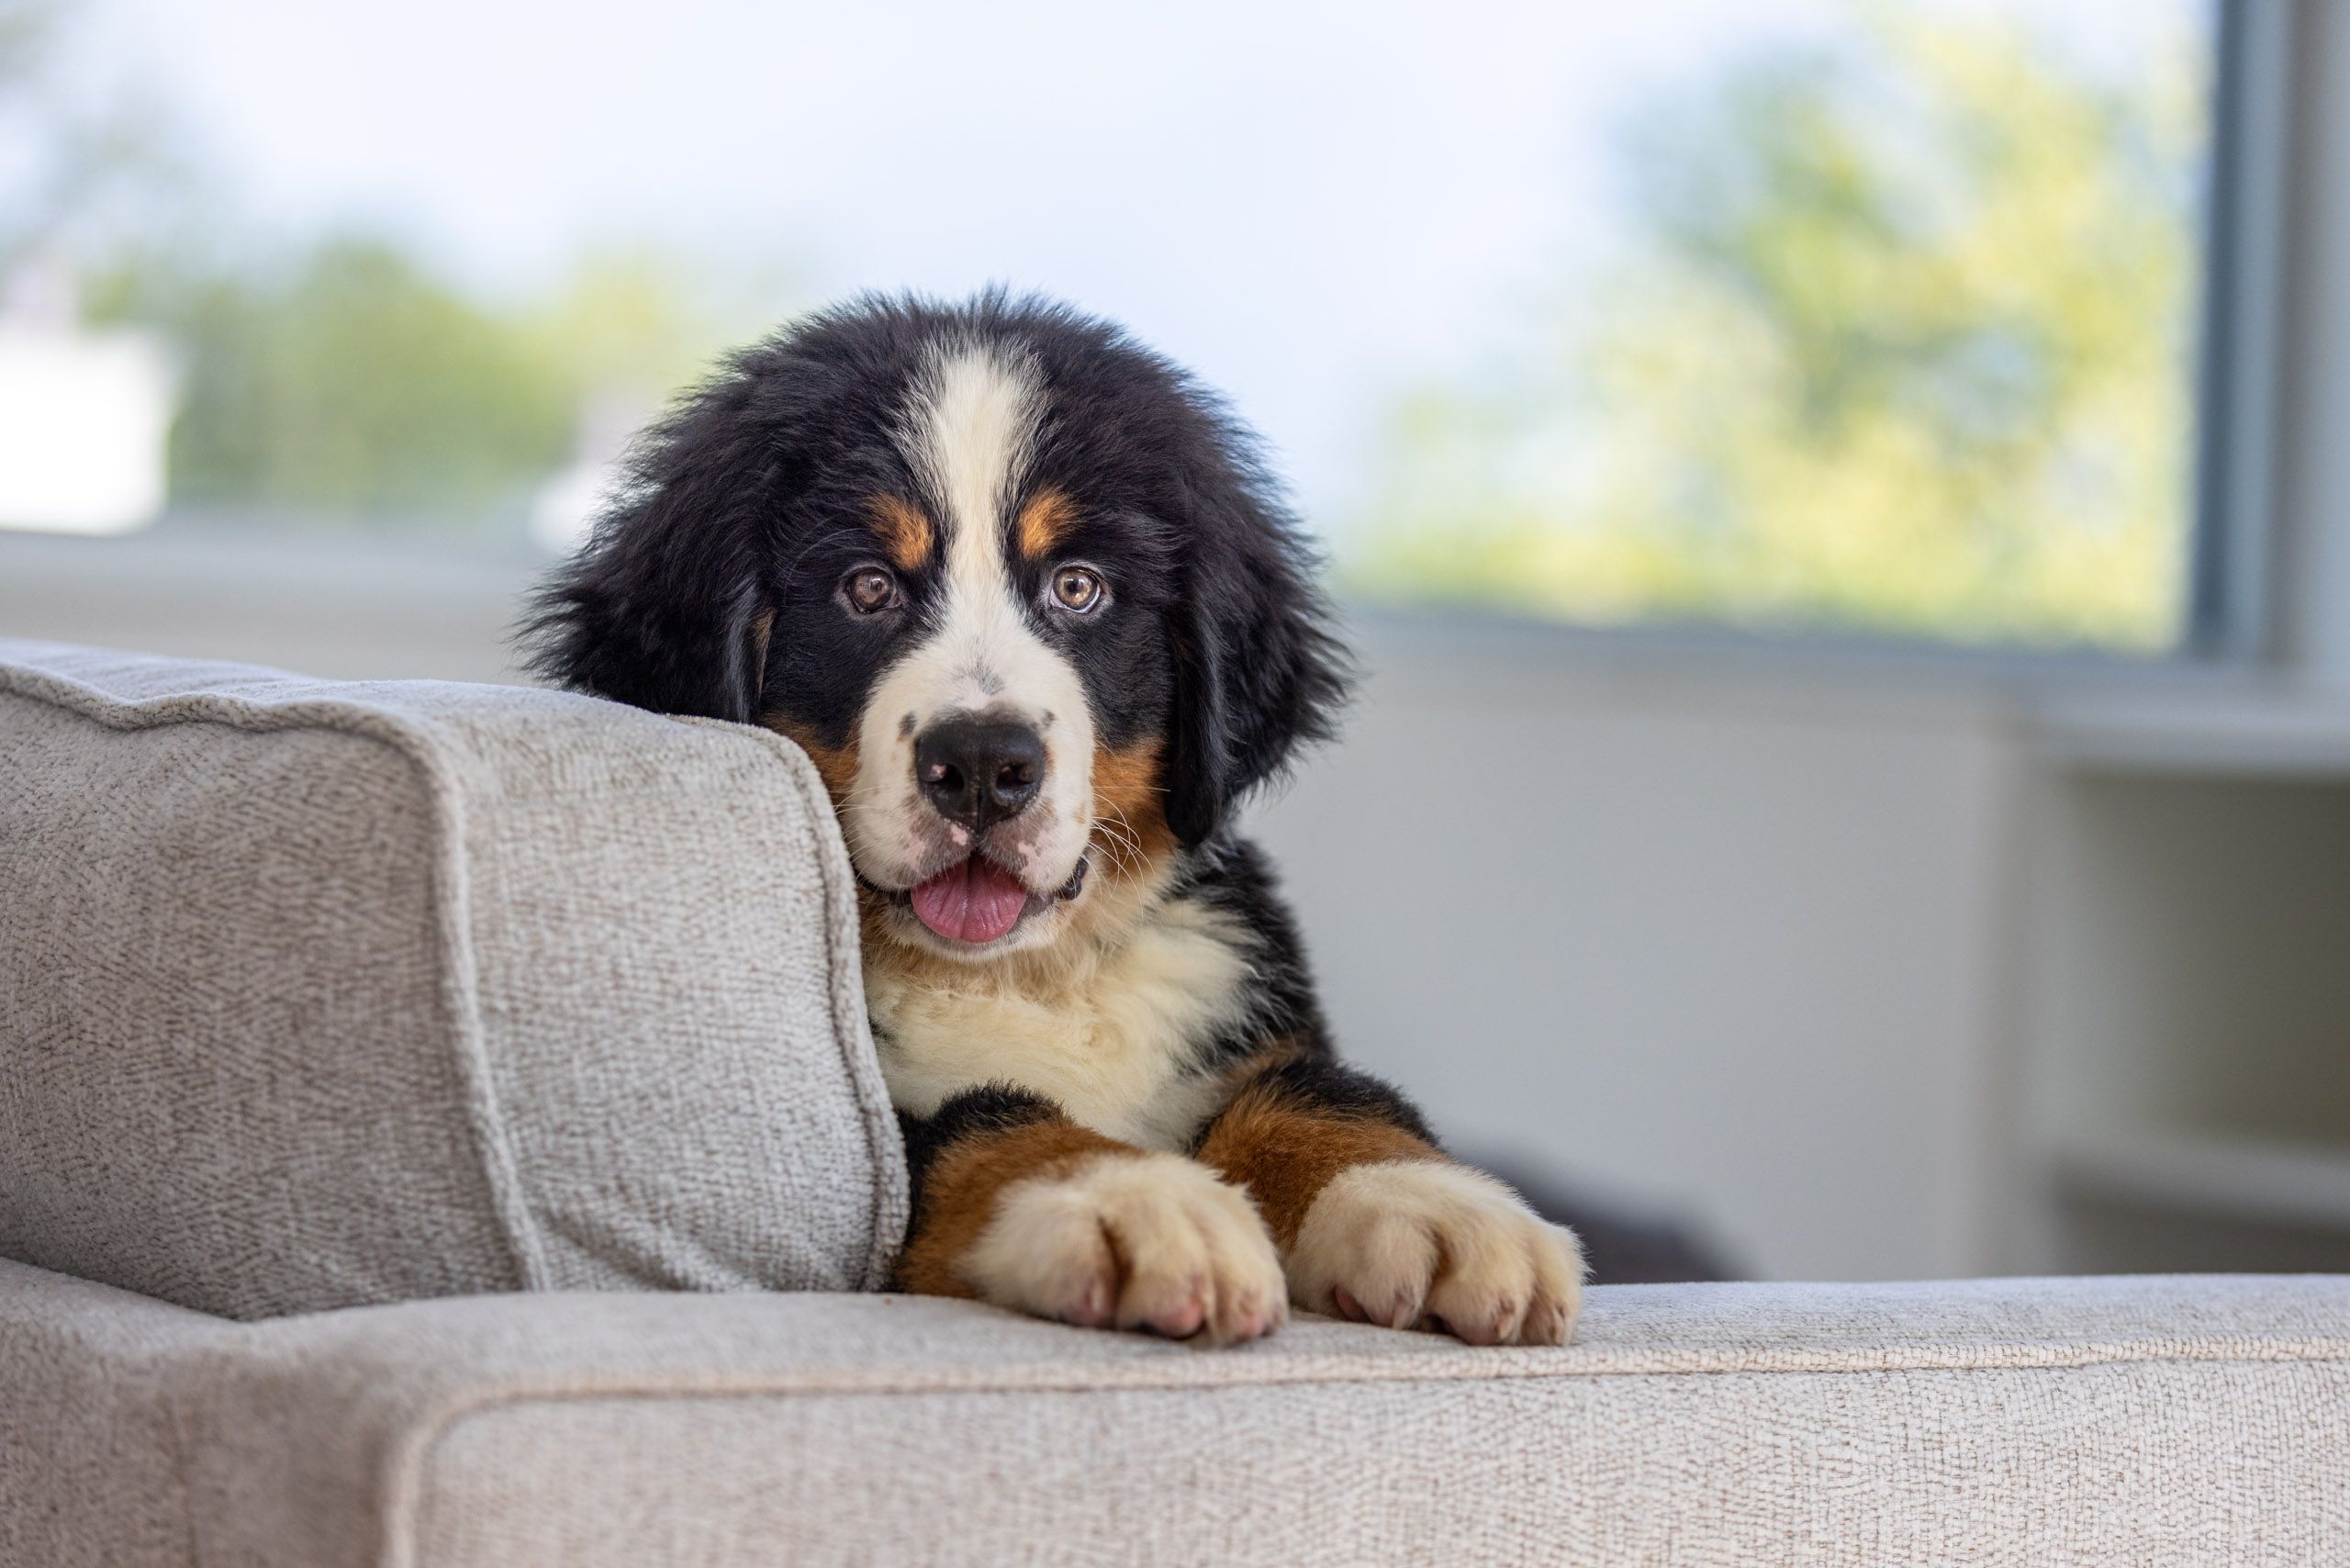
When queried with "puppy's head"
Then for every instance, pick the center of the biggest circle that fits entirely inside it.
(1019, 586)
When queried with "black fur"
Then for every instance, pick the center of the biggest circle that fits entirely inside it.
(1324, 1084)
(1234, 876)
(709, 589)
(975, 1112)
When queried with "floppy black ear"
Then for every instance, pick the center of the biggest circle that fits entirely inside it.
(665, 607)
(1258, 673)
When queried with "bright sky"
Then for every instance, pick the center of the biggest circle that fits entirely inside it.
(1314, 205)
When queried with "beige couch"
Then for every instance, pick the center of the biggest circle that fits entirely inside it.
(382, 1065)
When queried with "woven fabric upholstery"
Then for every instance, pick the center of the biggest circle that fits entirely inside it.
(2024, 1422)
(317, 994)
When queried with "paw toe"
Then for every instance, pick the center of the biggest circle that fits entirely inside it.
(1439, 1246)
(1558, 1275)
(1178, 1316)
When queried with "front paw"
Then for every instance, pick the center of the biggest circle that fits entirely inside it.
(1427, 1243)
(1150, 1241)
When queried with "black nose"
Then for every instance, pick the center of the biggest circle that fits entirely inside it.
(977, 771)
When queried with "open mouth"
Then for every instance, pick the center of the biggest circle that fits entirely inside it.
(978, 902)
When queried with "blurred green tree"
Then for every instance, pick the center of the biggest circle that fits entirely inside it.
(350, 386)
(637, 324)
(1903, 343)
(352, 382)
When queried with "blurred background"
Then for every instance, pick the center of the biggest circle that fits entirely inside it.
(1840, 503)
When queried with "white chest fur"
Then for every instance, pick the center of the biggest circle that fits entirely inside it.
(1115, 1039)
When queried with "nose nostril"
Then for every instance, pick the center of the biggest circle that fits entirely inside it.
(980, 771)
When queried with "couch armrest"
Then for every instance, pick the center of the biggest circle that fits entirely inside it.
(2177, 1419)
(322, 993)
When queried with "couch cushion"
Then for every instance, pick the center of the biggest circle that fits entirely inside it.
(315, 994)
(2006, 1421)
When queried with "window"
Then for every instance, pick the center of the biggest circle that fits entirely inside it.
(1788, 314)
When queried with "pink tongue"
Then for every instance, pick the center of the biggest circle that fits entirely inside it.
(978, 900)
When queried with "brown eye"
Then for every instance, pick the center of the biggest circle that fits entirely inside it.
(1078, 589)
(870, 589)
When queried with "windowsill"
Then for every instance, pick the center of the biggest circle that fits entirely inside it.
(242, 560)
(2045, 687)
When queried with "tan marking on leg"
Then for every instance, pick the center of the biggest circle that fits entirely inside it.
(1130, 829)
(1285, 1154)
(960, 1190)
(1043, 522)
(906, 536)
(835, 765)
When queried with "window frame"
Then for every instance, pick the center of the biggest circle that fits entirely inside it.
(2230, 614)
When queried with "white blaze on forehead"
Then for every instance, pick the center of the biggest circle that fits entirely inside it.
(968, 431)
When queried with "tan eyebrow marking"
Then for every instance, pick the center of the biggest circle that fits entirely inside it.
(1043, 521)
(906, 534)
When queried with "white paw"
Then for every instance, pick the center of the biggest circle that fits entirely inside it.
(1423, 1242)
(1152, 1241)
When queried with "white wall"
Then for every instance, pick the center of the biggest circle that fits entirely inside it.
(1719, 938)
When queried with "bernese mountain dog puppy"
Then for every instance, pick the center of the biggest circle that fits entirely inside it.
(1026, 594)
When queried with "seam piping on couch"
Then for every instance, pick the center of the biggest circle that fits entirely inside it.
(412, 1454)
(451, 926)
(176, 1433)
(889, 1212)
